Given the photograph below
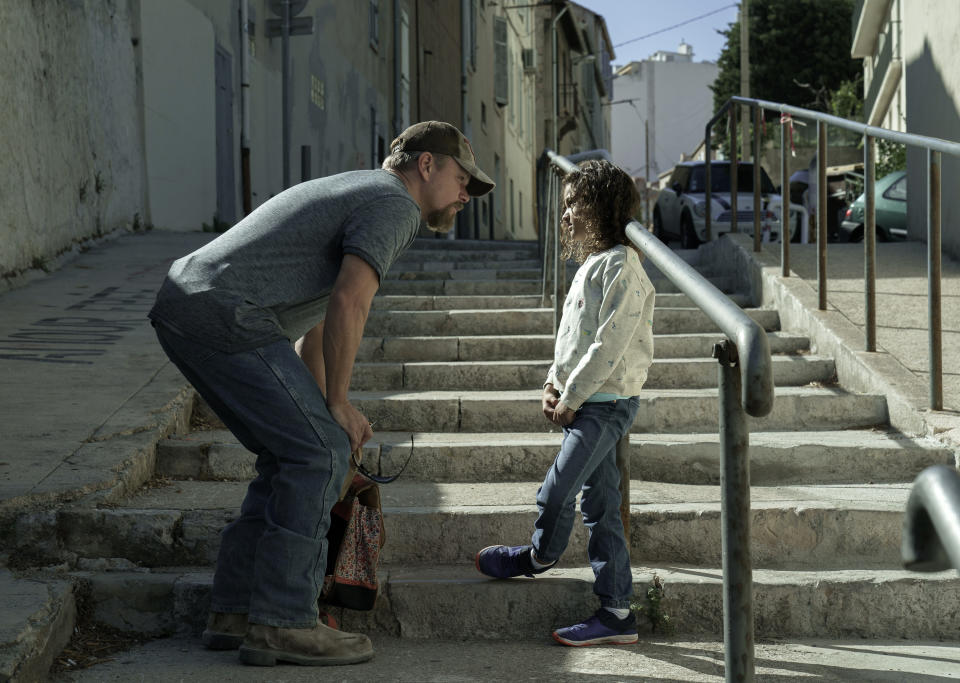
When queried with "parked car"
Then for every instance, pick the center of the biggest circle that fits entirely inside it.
(681, 207)
(891, 210)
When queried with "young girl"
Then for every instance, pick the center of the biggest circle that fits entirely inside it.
(603, 349)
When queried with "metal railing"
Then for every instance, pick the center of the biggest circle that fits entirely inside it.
(934, 147)
(931, 528)
(745, 378)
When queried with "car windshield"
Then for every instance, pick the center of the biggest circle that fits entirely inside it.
(720, 179)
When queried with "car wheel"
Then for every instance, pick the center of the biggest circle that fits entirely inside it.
(856, 235)
(658, 226)
(688, 238)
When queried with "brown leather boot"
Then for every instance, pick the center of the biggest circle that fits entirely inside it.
(318, 646)
(224, 631)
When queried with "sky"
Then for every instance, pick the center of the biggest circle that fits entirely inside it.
(629, 19)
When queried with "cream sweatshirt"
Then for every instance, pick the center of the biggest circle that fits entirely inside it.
(605, 340)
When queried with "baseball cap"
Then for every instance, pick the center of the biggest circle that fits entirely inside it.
(440, 137)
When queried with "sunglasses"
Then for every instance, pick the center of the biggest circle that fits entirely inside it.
(378, 478)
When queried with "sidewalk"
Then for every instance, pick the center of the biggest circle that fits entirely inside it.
(900, 366)
(87, 391)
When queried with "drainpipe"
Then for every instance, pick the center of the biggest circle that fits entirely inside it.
(463, 219)
(556, 101)
(245, 105)
(397, 61)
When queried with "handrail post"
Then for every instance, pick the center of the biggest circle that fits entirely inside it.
(734, 166)
(547, 230)
(933, 280)
(735, 519)
(869, 245)
(822, 214)
(784, 201)
(707, 198)
(757, 198)
(555, 200)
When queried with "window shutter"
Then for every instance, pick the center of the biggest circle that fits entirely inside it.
(501, 82)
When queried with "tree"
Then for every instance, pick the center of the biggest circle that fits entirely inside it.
(799, 54)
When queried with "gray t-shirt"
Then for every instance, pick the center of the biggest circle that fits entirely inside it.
(270, 276)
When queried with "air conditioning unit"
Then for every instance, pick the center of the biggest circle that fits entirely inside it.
(529, 57)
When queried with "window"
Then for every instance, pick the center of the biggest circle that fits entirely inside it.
(404, 70)
(375, 24)
(317, 95)
(473, 35)
(898, 190)
(501, 78)
(513, 207)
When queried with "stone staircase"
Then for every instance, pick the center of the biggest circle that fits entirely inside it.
(450, 369)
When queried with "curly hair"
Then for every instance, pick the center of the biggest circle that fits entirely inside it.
(609, 200)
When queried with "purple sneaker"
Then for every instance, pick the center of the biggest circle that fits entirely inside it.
(602, 627)
(505, 561)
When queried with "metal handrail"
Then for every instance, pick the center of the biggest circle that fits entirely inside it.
(931, 527)
(934, 147)
(747, 391)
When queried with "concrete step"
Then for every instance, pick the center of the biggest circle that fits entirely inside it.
(430, 603)
(799, 527)
(37, 621)
(412, 302)
(677, 300)
(665, 373)
(654, 658)
(532, 321)
(505, 272)
(661, 411)
(437, 262)
(535, 346)
(484, 249)
(776, 458)
(461, 287)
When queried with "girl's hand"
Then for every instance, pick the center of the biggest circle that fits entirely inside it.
(564, 416)
(549, 401)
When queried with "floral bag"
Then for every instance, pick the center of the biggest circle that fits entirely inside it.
(355, 539)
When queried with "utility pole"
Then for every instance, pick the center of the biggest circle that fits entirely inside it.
(646, 180)
(745, 136)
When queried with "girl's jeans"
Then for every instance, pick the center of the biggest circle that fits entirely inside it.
(273, 556)
(587, 462)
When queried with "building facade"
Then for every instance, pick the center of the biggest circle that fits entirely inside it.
(912, 84)
(173, 113)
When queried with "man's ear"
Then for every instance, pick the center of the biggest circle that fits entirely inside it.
(426, 164)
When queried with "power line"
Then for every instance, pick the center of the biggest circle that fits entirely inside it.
(670, 28)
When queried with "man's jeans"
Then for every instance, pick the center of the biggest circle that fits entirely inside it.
(273, 557)
(587, 462)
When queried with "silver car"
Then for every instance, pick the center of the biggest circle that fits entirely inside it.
(681, 207)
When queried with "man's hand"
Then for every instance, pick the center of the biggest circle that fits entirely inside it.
(354, 423)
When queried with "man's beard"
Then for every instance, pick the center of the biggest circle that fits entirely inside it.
(442, 220)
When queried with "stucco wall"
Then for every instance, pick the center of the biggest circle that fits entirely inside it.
(71, 149)
(932, 65)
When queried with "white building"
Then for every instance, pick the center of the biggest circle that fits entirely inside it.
(669, 94)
